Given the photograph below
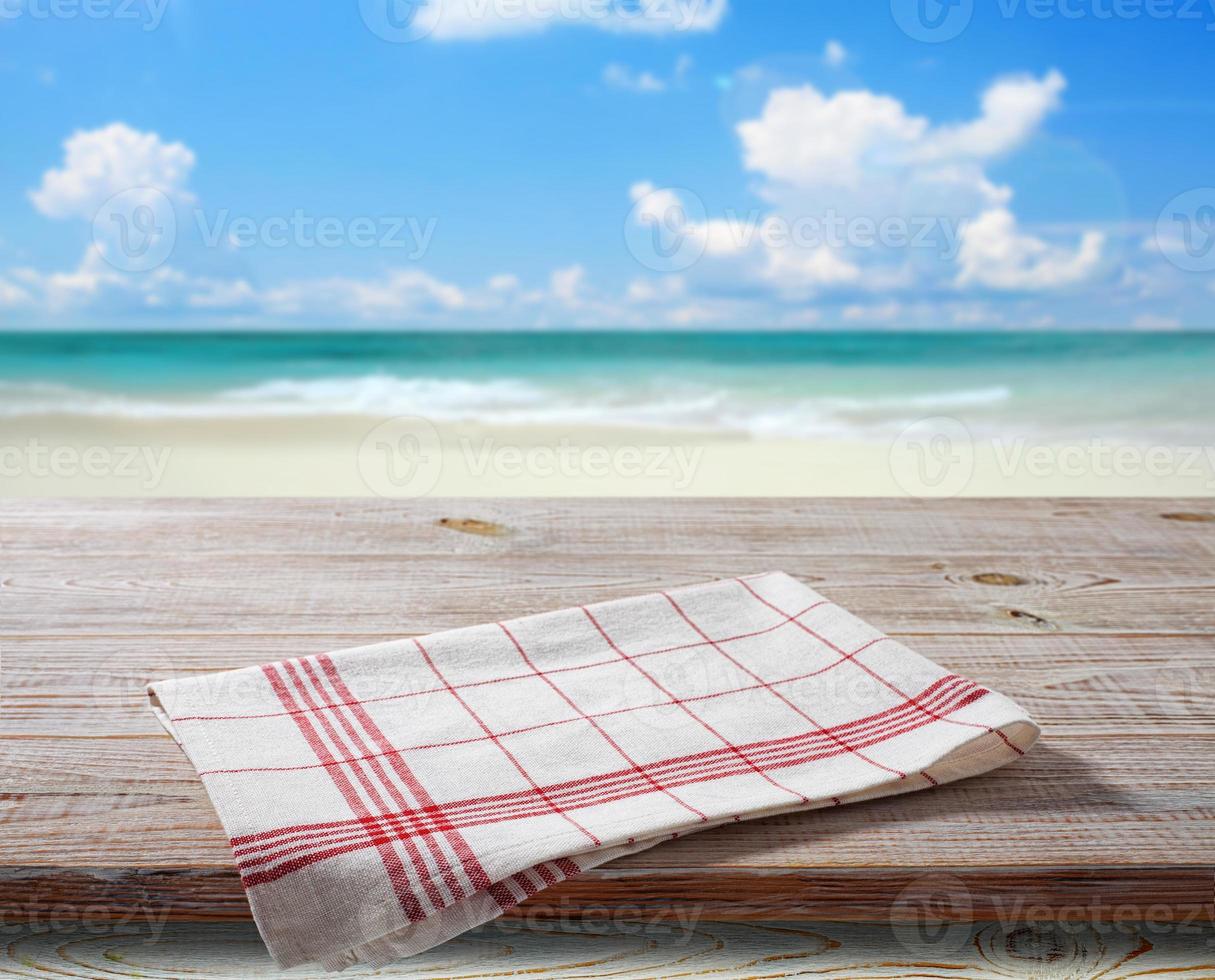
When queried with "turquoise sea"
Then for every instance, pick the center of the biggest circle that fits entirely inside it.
(1128, 387)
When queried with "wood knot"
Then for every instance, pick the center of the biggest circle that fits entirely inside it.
(1031, 619)
(1190, 517)
(998, 578)
(470, 525)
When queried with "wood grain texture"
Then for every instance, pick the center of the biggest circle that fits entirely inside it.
(632, 949)
(1099, 616)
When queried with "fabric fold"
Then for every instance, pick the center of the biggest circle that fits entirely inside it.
(383, 799)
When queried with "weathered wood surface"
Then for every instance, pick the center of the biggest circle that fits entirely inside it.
(624, 949)
(1099, 616)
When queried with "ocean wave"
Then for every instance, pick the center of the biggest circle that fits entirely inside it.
(710, 406)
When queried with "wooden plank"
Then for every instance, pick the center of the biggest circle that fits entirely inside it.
(1102, 822)
(1034, 812)
(376, 594)
(1090, 684)
(738, 529)
(1097, 615)
(624, 948)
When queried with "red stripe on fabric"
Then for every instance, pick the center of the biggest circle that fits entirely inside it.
(594, 724)
(947, 691)
(454, 888)
(498, 742)
(393, 867)
(472, 867)
(738, 769)
(567, 867)
(782, 756)
(526, 805)
(548, 724)
(498, 680)
(771, 690)
(298, 677)
(690, 713)
(872, 673)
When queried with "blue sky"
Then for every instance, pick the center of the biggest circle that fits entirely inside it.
(608, 163)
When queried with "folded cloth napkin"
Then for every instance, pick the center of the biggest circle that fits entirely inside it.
(382, 800)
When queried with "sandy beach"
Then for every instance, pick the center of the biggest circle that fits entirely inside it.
(408, 457)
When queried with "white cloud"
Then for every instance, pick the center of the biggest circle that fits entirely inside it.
(834, 54)
(221, 294)
(754, 239)
(858, 155)
(12, 295)
(400, 293)
(99, 163)
(622, 77)
(856, 139)
(567, 285)
(504, 283)
(795, 269)
(1013, 108)
(995, 254)
(618, 76)
(659, 290)
(460, 20)
(886, 312)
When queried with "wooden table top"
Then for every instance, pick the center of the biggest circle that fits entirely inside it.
(1097, 616)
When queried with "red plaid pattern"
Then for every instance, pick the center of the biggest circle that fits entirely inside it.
(384, 799)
